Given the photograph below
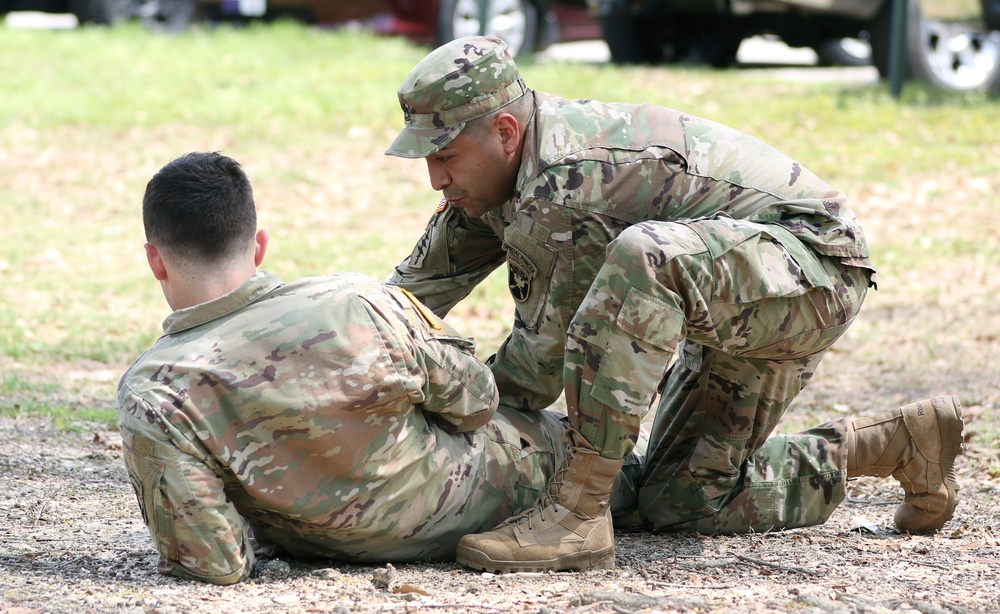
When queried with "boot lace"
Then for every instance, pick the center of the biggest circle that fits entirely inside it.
(547, 501)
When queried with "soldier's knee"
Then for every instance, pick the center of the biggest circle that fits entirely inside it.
(676, 503)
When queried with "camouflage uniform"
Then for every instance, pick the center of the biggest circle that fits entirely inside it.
(334, 417)
(638, 233)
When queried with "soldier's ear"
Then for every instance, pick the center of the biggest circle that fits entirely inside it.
(155, 261)
(260, 247)
(509, 131)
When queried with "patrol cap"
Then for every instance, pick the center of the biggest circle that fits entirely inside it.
(461, 80)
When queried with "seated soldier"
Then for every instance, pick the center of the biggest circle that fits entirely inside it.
(329, 417)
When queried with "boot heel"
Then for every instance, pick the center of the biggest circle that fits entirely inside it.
(952, 440)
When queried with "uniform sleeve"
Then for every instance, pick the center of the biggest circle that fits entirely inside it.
(554, 253)
(454, 255)
(195, 528)
(459, 389)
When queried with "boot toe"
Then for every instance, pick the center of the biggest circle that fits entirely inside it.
(932, 489)
(913, 519)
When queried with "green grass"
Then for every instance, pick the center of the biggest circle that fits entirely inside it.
(22, 397)
(88, 115)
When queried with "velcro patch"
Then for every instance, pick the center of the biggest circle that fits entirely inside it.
(521, 272)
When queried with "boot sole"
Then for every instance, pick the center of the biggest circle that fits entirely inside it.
(578, 561)
(951, 425)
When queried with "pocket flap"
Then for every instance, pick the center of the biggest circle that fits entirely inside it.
(650, 320)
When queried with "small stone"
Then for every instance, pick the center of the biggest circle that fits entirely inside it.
(285, 599)
(328, 573)
(385, 578)
(272, 569)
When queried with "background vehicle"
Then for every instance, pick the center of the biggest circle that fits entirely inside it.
(526, 25)
(950, 46)
(160, 15)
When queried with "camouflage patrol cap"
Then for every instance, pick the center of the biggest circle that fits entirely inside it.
(462, 80)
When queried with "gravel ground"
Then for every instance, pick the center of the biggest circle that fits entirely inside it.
(71, 540)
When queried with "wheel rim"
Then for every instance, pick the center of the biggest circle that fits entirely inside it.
(858, 50)
(507, 19)
(166, 15)
(960, 57)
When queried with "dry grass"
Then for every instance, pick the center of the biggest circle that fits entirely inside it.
(77, 304)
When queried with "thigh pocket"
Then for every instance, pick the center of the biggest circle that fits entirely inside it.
(645, 334)
(801, 345)
(758, 268)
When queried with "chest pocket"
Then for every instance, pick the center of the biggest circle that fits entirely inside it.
(442, 237)
(529, 272)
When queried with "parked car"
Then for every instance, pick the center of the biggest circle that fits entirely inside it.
(956, 55)
(161, 15)
(526, 25)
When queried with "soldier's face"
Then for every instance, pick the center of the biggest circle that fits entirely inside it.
(476, 172)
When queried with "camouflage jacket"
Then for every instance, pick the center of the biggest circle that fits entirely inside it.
(330, 417)
(588, 171)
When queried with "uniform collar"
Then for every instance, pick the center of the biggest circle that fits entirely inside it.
(529, 151)
(259, 284)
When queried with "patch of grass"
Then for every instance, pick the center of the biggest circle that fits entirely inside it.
(21, 396)
(88, 115)
(17, 394)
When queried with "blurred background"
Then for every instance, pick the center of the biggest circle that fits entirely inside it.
(952, 44)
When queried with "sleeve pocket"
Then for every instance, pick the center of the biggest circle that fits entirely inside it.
(146, 474)
(529, 269)
(432, 253)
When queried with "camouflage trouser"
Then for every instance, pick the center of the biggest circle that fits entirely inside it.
(751, 318)
(542, 451)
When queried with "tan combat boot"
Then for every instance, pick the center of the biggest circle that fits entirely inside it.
(569, 528)
(916, 444)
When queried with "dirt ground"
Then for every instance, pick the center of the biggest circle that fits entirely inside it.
(72, 540)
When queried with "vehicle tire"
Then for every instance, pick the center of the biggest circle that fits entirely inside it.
(632, 40)
(952, 56)
(716, 49)
(515, 21)
(843, 52)
(991, 13)
(156, 15)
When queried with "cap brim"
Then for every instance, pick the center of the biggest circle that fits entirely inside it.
(414, 143)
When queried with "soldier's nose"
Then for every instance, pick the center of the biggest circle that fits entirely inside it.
(438, 174)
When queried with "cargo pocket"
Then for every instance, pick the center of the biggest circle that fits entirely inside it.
(529, 270)
(750, 260)
(145, 472)
(801, 345)
(644, 338)
(758, 268)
